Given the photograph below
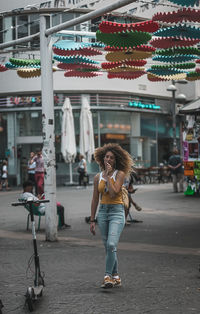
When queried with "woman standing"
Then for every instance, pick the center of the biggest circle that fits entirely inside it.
(82, 170)
(115, 164)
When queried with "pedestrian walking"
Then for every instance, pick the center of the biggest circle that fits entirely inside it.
(115, 163)
(31, 170)
(4, 176)
(39, 171)
(128, 183)
(176, 166)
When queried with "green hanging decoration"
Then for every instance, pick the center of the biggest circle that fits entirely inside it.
(124, 39)
(25, 62)
(178, 50)
(182, 66)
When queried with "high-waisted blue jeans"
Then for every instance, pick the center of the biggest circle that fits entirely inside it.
(111, 221)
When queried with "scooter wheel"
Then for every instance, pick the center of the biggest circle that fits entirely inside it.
(29, 300)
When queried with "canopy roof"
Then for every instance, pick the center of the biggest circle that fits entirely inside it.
(191, 108)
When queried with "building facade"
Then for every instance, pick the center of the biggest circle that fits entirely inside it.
(137, 114)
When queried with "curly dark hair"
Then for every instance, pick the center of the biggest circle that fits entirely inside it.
(124, 161)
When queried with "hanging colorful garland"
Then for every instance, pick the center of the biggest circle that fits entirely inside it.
(124, 39)
(128, 55)
(179, 31)
(28, 73)
(125, 75)
(71, 48)
(69, 66)
(74, 59)
(169, 42)
(154, 78)
(194, 75)
(112, 65)
(114, 27)
(182, 66)
(81, 74)
(178, 50)
(3, 68)
(25, 62)
(140, 48)
(183, 14)
(187, 3)
(126, 69)
(176, 58)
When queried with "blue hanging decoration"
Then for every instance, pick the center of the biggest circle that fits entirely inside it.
(179, 31)
(176, 58)
(187, 3)
(74, 59)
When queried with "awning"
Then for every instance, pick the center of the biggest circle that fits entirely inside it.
(191, 108)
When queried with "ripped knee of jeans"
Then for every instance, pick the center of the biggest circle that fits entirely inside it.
(111, 247)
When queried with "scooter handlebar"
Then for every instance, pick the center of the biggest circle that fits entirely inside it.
(28, 201)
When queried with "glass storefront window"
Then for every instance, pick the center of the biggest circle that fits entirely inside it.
(115, 127)
(3, 134)
(29, 123)
(148, 127)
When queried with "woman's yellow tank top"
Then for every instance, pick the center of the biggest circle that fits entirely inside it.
(103, 190)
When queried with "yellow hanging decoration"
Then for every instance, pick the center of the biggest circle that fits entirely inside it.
(28, 73)
(127, 55)
(127, 69)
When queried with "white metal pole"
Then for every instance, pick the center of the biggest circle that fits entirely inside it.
(48, 130)
(70, 174)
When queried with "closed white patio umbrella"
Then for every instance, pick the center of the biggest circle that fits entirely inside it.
(86, 129)
(68, 140)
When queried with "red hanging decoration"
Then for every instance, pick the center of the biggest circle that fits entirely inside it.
(169, 42)
(3, 68)
(85, 51)
(113, 27)
(141, 48)
(112, 65)
(71, 66)
(184, 14)
(125, 75)
(81, 74)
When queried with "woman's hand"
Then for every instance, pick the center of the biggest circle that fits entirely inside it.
(108, 168)
(92, 228)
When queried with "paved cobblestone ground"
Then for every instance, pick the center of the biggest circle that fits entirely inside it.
(158, 258)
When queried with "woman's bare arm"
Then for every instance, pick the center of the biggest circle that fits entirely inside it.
(115, 188)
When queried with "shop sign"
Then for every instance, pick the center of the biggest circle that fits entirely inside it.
(28, 100)
(139, 104)
(188, 168)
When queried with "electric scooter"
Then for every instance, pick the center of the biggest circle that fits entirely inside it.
(36, 290)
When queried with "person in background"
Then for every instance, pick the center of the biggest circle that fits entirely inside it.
(4, 176)
(39, 171)
(31, 170)
(128, 183)
(116, 164)
(82, 170)
(176, 166)
(28, 192)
